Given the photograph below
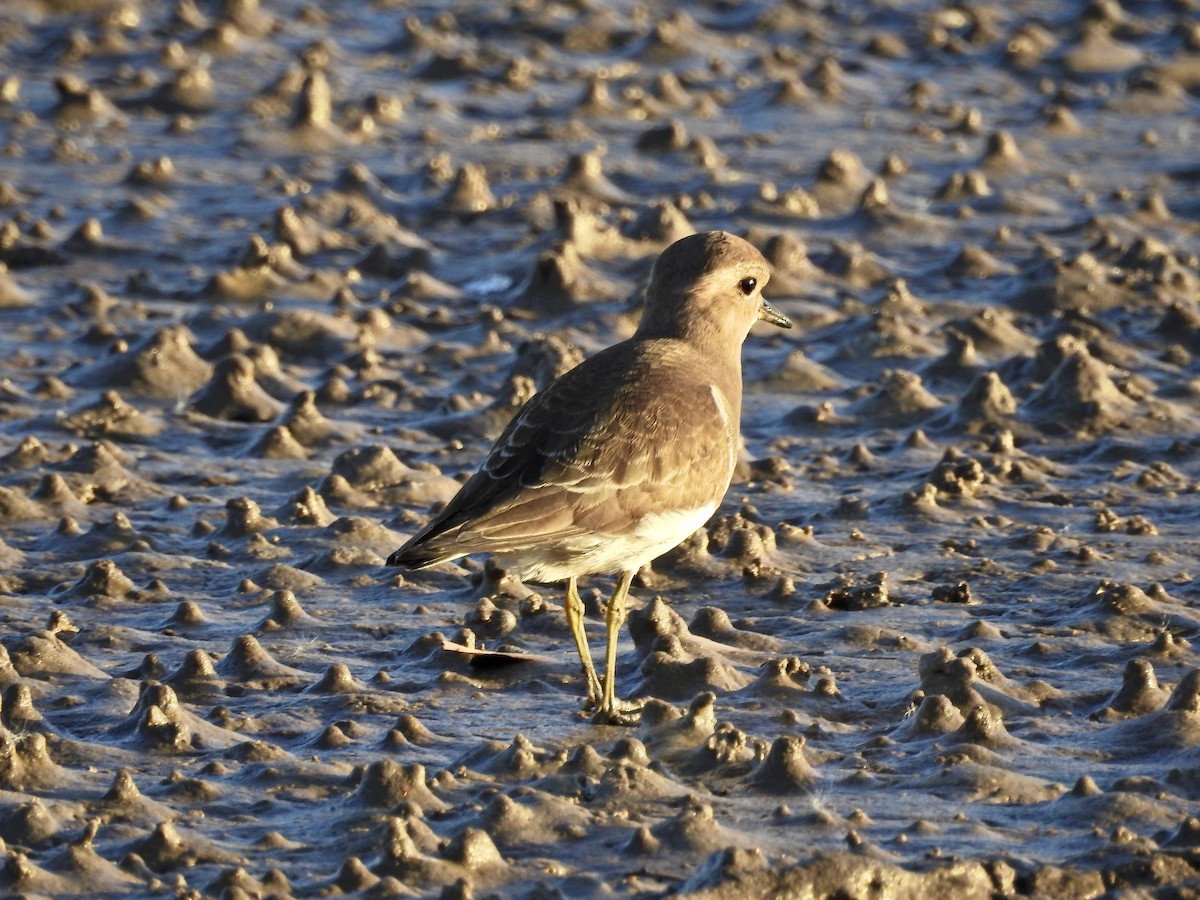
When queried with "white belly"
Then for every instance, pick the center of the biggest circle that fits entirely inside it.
(600, 554)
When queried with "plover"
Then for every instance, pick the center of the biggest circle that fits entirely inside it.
(624, 456)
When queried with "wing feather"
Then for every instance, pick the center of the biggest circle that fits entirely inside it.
(635, 429)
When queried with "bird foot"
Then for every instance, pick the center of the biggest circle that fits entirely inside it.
(595, 696)
(620, 712)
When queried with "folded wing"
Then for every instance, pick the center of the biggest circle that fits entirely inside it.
(612, 440)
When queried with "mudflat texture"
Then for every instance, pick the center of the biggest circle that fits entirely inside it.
(275, 276)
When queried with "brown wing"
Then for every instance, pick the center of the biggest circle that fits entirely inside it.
(635, 429)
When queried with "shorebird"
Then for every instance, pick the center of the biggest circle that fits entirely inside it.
(623, 457)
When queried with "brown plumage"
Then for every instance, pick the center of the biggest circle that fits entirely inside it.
(624, 456)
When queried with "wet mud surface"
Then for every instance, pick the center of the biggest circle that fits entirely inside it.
(273, 278)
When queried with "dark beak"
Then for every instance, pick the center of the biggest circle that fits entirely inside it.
(768, 313)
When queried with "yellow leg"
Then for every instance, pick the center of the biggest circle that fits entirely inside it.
(609, 711)
(575, 621)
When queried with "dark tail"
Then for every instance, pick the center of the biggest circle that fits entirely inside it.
(422, 552)
(412, 558)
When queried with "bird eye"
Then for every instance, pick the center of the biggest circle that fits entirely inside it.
(747, 286)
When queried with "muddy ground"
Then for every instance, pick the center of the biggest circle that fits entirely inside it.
(275, 276)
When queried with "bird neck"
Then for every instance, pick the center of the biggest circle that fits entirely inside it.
(708, 335)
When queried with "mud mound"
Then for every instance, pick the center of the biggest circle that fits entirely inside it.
(272, 278)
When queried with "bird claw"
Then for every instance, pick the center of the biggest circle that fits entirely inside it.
(595, 696)
(621, 712)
